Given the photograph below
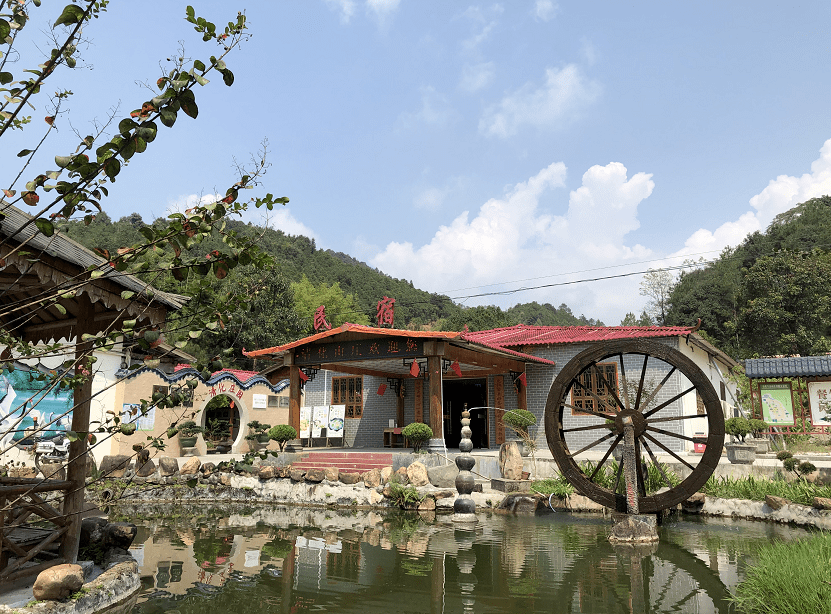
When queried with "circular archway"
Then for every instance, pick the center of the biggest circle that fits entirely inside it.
(222, 420)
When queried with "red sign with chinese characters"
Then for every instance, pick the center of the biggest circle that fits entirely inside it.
(315, 354)
(320, 319)
(386, 312)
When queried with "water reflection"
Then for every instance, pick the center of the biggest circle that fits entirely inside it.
(289, 560)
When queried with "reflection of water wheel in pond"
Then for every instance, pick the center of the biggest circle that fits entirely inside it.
(656, 386)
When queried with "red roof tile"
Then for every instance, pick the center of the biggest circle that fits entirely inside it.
(242, 376)
(522, 334)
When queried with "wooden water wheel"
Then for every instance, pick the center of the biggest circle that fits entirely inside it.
(661, 389)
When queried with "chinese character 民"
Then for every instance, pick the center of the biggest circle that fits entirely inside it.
(386, 310)
(320, 319)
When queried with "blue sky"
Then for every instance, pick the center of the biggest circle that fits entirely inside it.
(484, 147)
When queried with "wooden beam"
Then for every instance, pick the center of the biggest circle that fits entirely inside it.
(341, 368)
(76, 472)
(294, 398)
(103, 317)
(400, 403)
(483, 359)
(436, 412)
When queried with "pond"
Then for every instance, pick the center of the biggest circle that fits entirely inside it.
(292, 560)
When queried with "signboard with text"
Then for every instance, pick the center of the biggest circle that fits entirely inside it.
(305, 422)
(819, 394)
(777, 404)
(359, 350)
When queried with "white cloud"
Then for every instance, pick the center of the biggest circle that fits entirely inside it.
(382, 10)
(476, 77)
(282, 219)
(435, 109)
(346, 8)
(545, 10)
(781, 194)
(431, 198)
(187, 201)
(472, 44)
(551, 105)
(518, 237)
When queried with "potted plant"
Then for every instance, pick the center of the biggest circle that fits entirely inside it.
(740, 453)
(757, 428)
(417, 433)
(518, 420)
(259, 430)
(282, 433)
(217, 435)
(188, 433)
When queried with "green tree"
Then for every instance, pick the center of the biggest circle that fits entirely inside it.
(340, 307)
(657, 285)
(786, 304)
(477, 318)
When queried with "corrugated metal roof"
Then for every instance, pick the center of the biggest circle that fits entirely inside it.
(799, 366)
(61, 246)
(522, 334)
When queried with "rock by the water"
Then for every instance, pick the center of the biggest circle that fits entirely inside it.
(207, 468)
(428, 504)
(114, 466)
(58, 582)
(522, 503)
(119, 534)
(694, 504)
(191, 466)
(372, 478)
(225, 479)
(510, 461)
(92, 529)
(386, 472)
(443, 476)
(821, 503)
(266, 472)
(147, 469)
(417, 474)
(315, 475)
(347, 477)
(443, 494)
(332, 474)
(634, 528)
(168, 466)
(297, 475)
(775, 503)
(401, 475)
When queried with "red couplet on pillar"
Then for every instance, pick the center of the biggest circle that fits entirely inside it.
(382, 389)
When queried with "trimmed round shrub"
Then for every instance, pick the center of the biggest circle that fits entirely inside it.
(738, 427)
(281, 434)
(518, 419)
(790, 463)
(757, 427)
(418, 433)
(783, 455)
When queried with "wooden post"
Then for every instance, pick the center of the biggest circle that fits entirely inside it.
(294, 397)
(76, 472)
(499, 404)
(400, 403)
(436, 413)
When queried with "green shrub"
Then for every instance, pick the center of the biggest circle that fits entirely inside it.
(403, 495)
(518, 420)
(189, 428)
(417, 433)
(559, 487)
(281, 434)
(757, 427)
(788, 578)
(738, 427)
(756, 489)
(784, 455)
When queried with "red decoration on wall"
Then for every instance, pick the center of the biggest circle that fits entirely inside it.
(303, 376)
(415, 369)
(523, 380)
(382, 389)
(386, 312)
(320, 319)
(457, 369)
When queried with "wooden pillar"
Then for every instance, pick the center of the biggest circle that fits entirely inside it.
(435, 382)
(76, 472)
(400, 403)
(499, 404)
(294, 397)
(437, 581)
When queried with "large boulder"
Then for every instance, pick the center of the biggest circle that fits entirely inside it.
(147, 469)
(510, 461)
(266, 472)
(297, 475)
(522, 503)
(347, 477)
(315, 475)
(386, 472)
(92, 530)
(417, 474)
(443, 476)
(191, 466)
(372, 478)
(401, 475)
(332, 474)
(119, 535)
(58, 582)
(168, 466)
(115, 466)
(775, 503)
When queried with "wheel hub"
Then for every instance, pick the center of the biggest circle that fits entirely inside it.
(638, 421)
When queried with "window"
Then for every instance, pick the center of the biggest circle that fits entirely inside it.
(273, 401)
(349, 391)
(593, 379)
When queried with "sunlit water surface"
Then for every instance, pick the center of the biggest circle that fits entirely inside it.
(292, 560)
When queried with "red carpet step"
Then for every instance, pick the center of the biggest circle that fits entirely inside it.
(353, 462)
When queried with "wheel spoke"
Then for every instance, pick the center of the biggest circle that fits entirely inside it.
(589, 411)
(585, 428)
(673, 418)
(591, 445)
(672, 400)
(668, 451)
(640, 386)
(671, 434)
(658, 388)
(605, 457)
(657, 464)
(625, 383)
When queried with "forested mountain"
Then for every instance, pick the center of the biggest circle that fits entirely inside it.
(304, 277)
(770, 295)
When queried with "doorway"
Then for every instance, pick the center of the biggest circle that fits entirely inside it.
(474, 393)
(222, 420)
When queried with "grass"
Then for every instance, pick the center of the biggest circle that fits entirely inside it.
(558, 487)
(755, 489)
(788, 578)
(605, 478)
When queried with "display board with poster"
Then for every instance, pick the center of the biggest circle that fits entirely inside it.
(337, 414)
(819, 395)
(259, 401)
(305, 422)
(131, 412)
(777, 403)
(320, 417)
